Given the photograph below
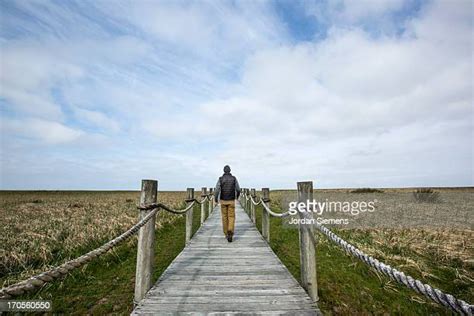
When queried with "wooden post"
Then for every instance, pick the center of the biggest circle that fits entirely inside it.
(211, 202)
(266, 215)
(246, 202)
(203, 205)
(189, 217)
(146, 242)
(307, 248)
(249, 205)
(252, 207)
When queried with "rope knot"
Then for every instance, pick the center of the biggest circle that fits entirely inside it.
(143, 207)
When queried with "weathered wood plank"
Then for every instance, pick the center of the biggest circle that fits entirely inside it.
(237, 299)
(204, 307)
(299, 312)
(213, 276)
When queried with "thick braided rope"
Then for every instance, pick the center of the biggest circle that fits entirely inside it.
(261, 201)
(253, 201)
(203, 200)
(434, 294)
(167, 208)
(185, 210)
(265, 206)
(41, 279)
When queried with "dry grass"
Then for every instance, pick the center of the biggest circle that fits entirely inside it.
(431, 241)
(41, 229)
(426, 195)
(397, 208)
(424, 252)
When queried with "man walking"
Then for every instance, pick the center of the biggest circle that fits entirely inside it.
(227, 191)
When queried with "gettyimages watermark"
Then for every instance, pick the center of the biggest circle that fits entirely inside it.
(322, 212)
(388, 208)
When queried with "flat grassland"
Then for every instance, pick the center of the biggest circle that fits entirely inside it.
(433, 242)
(46, 228)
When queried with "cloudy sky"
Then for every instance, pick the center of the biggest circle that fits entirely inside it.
(366, 93)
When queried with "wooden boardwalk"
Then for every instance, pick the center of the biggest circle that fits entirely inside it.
(213, 276)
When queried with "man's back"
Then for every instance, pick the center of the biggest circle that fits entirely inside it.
(227, 190)
(228, 184)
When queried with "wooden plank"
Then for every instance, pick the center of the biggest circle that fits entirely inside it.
(266, 277)
(230, 282)
(213, 276)
(237, 299)
(204, 307)
(299, 312)
(222, 292)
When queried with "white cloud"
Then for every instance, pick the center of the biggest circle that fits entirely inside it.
(35, 102)
(356, 10)
(44, 131)
(97, 119)
(392, 80)
(28, 73)
(349, 13)
(448, 24)
(218, 30)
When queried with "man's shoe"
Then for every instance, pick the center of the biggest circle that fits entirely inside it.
(231, 235)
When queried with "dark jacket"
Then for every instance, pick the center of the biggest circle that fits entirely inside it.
(227, 188)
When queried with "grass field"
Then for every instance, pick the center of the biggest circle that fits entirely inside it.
(440, 255)
(43, 229)
(104, 286)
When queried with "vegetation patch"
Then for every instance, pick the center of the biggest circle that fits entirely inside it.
(366, 190)
(426, 195)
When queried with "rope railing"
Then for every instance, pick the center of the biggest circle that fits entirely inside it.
(255, 203)
(202, 201)
(167, 208)
(434, 294)
(267, 208)
(274, 214)
(41, 279)
(37, 281)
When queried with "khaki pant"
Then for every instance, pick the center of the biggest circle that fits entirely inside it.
(228, 215)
